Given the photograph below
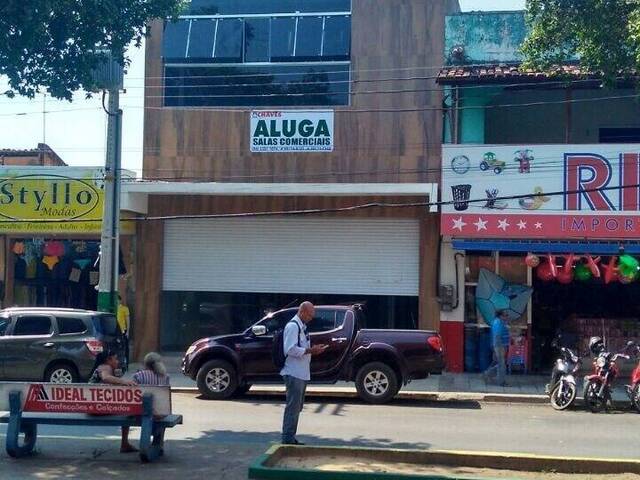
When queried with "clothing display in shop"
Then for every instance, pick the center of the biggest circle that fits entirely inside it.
(55, 273)
(54, 249)
(50, 261)
(82, 263)
(75, 275)
(18, 248)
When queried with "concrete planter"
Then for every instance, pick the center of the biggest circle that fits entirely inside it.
(270, 465)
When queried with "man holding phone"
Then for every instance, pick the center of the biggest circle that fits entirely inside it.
(297, 368)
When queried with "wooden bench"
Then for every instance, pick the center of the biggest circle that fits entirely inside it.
(27, 405)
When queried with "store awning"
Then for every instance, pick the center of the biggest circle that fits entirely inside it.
(596, 248)
(135, 194)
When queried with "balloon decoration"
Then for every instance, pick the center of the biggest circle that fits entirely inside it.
(624, 279)
(565, 275)
(592, 263)
(552, 265)
(583, 273)
(610, 270)
(545, 272)
(628, 266)
(532, 260)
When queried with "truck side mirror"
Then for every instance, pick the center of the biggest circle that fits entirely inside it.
(259, 330)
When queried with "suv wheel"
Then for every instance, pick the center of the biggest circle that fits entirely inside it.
(377, 382)
(217, 380)
(61, 373)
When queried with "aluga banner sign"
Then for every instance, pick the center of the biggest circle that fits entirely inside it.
(541, 191)
(291, 131)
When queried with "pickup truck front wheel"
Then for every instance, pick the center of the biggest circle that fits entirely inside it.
(376, 382)
(217, 380)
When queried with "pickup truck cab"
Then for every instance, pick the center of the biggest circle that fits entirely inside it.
(380, 362)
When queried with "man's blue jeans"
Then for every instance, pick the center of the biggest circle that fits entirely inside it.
(295, 400)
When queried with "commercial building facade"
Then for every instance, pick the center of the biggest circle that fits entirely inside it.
(540, 184)
(258, 110)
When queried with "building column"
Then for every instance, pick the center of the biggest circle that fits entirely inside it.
(452, 322)
(429, 309)
(149, 261)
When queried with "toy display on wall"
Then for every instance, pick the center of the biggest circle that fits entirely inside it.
(585, 268)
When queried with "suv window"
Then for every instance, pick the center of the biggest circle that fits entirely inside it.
(32, 325)
(68, 325)
(4, 323)
(326, 320)
(106, 325)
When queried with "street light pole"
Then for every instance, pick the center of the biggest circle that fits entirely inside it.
(110, 238)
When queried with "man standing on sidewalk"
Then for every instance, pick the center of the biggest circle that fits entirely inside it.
(296, 371)
(499, 343)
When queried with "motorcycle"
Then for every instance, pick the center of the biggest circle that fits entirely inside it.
(562, 389)
(633, 390)
(598, 386)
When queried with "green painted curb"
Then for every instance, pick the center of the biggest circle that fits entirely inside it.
(260, 470)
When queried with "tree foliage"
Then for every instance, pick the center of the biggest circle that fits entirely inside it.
(603, 34)
(50, 44)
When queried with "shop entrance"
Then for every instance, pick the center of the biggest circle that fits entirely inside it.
(55, 273)
(579, 311)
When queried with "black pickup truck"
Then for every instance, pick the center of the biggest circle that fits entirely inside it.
(380, 362)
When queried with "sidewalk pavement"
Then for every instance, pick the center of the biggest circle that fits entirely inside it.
(448, 386)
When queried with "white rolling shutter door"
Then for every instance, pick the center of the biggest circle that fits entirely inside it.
(292, 255)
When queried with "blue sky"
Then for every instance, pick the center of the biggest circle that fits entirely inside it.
(77, 130)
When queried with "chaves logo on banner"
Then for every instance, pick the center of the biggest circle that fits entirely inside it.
(97, 399)
(52, 200)
(291, 131)
(541, 191)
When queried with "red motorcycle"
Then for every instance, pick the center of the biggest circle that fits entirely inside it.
(598, 386)
(633, 390)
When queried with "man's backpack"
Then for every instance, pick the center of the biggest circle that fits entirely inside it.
(277, 348)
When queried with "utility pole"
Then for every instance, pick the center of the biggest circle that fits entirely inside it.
(109, 77)
(110, 238)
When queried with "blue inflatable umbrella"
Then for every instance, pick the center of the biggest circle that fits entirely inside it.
(494, 293)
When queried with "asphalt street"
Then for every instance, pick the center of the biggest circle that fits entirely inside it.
(219, 439)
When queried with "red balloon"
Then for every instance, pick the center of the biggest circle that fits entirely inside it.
(610, 270)
(545, 272)
(552, 265)
(592, 263)
(532, 260)
(565, 275)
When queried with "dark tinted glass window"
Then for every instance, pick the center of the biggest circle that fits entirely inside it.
(337, 38)
(277, 321)
(175, 39)
(620, 135)
(4, 324)
(283, 37)
(229, 40)
(326, 320)
(106, 325)
(309, 38)
(201, 39)
(70, 325)
(237, 7)
(269, 85)
(32, 326)
(256, 39)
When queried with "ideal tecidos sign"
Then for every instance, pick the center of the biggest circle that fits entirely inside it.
(541, 191)
(291, 131)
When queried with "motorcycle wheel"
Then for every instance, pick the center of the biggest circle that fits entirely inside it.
(635, 397)
(561, 401)
(594, 403)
